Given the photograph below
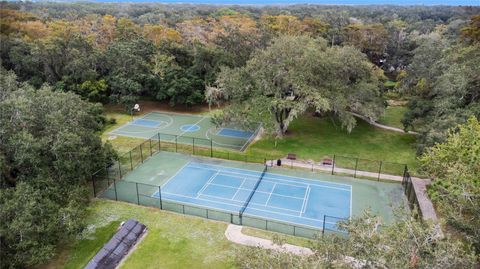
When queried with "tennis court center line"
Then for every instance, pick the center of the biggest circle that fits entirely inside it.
(205, 185)
(265, 192)
(239, 188)
(305, 200)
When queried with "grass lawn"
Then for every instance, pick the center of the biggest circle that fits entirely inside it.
(173, 240)
(313, 138)
(393, 116)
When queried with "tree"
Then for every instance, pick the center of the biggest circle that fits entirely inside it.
(295, 73)
(406, 243)
(444, 84)
(471, 33)
(49, 146)
(371, 39)
(455, 167)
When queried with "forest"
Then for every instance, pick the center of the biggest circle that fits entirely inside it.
(331, 59)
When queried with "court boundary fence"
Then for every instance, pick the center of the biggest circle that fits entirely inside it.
(410, 194)
(106, 181)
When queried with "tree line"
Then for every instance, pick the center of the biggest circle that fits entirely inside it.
(59, 61)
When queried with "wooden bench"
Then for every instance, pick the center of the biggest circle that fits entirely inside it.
(291, 156)
(327, 161)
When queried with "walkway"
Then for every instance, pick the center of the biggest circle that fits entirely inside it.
(328, 168)
(235, 235)
(386, 127)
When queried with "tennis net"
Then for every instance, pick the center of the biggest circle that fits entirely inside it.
(253, 192)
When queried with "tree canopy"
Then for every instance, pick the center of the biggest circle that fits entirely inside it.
(295, 73)
(49, 146)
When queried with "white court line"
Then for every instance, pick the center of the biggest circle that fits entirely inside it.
(192, 124)
(273, 179)
(239, 188)
(270, 195)
(231, 187)
(238, 137)
(174, 175)
(315, 181)
(305, 201)
(253, 203)
(229, 204)
(207, 183)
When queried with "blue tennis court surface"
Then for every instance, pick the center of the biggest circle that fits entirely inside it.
(234, 133)
(287, 199)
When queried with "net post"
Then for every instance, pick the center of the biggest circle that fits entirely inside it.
(356, 165)
(138, 197)
(141, 152)
(193, 145)
(160, 196)
(333, 164)
(176, 143)
(131, 163)
(379, 170)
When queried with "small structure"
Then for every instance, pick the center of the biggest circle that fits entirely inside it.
(327, 161)
(119, 246)
(291, 156)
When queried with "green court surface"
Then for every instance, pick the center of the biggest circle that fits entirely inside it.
(181, 183)
(186, 129)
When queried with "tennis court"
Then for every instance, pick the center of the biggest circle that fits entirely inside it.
(295, 202)
(292, 200)
(184, 129)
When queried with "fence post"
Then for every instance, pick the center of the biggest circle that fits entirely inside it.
(131, 164)
(323, 229)
(138, 197)
(93, 183)
(141, 153)
(115, 188)
(379, 170)
(333, 164)
(160, 196)
(193, 145)
(211, 148)
(176, 143)
(119, 169)
(159, 143)
(356, 165)
(108, 176)
(150, 141)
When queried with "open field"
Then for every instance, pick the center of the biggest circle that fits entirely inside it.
(393, 116)
(173, 240)
(313, 138)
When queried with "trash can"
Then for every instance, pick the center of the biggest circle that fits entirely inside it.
(279, 162)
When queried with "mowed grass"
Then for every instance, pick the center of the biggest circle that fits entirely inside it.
(172, 241)
(314, 138)
(393, 116)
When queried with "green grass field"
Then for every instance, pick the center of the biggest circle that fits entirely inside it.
(313, 138)
(393, 116)
(173, 240)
